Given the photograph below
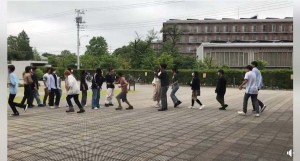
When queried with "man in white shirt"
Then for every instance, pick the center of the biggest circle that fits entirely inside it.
(53, 89)
(251, 90)
(259, 84)
(45, 79)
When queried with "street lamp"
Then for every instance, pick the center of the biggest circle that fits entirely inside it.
(78, 45)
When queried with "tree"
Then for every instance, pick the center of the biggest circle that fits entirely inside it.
(36, 55)
(66, 59)
(97, 46)
(166, 58)
(171, 38)
(24, 46)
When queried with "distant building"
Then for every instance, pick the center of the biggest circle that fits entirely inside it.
(20, 66)
(197, 31)
(278, 55)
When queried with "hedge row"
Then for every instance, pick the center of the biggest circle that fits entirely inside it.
(275, 78)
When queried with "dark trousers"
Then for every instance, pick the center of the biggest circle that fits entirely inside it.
(220, 99)
(28, 95)
(163, 97)
(254, 102)
(45, 96)
(76, 100)
(261, 105)
(84, 97)
(13, 105)
(54, 93)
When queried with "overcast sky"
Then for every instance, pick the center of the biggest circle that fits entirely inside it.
(51, 25)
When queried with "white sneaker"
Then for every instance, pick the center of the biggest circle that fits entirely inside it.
(242, 113)
(191, 107)
(201, 107)
(157, 105)
(85, 105)
(52, 107)
(257, 115)
(96, 108)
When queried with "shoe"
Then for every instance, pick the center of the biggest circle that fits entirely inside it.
(25, 108)
(41, 105)
(96, 108)
(225, 105)
(201, 107)
(106, 105)
(129, 108)
(257, 115)
(52, 107)
(242, 113)
(162, 109)
(110, 104)
(262, 109)
(191, 107)
(71, 110)
(14, 114)
(177, 103)
(157, 105)
(57, 106)
(119, 108)
(81, 111)
(85, 105)
(222, 108)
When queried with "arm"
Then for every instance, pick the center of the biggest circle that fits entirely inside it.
(244, 82)
(12, 81)
(48, 82)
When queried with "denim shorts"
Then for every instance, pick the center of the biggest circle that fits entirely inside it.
(122, 96)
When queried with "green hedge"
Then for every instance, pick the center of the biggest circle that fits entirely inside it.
(275, 78)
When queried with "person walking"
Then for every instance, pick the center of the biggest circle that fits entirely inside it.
(195, 86)
(97, 82)
(164, 79)
(221, 89)
(157, 90)
(35, 88)
(83, 87)
(175, 87)
(27, 79)
(53, 89)
(110, 79)
(13, 84)
(46, 91)
(259, 82)
(72, 92)
(123, 84)
(251, 90)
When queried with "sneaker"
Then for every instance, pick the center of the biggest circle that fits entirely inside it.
(14, 114)
(119, 108)
(222, 108)
(70, 110)
(129, 108)
(177, 103)
(225, 105)
(52, 107)
(96, 108)
(201, 107)
(85, 105)
(57, 106)
(262, 109)
(41, 105)
(81, 111)
(257, 115)
(157, 105)
(242, 113)
(106, 105)
(111, 104)
(25, 108)
(162, 109)
(191, 107)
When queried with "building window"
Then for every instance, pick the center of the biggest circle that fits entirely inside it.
(242, 38)
(234, 28)
(205, 29)
(225, 28)
(218, 28)
(253, 28)
(243, 28)
(283, 28)
(266, 37)
(246, 29)
(273, 28)
(264, 28)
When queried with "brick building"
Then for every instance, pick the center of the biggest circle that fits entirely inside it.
(196, 31)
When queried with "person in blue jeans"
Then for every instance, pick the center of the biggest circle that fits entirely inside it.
(97, 82)
(175, 87)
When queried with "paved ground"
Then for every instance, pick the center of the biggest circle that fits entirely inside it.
(145, 134)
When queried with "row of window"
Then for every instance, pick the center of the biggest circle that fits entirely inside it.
(199, 39)
(238, 28)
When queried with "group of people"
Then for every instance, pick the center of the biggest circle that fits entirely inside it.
(161, 83)
(252, 82)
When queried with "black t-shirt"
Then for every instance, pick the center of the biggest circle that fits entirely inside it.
(164, 78)
(97, 81)
(110, 79)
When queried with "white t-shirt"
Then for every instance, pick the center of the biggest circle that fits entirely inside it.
(74, 87)
(251, 86)
(45, 79)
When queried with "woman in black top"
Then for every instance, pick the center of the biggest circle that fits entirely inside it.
(83, 87)
(97, 82)
(195, 85)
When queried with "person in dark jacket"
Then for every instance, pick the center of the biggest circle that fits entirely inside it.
(164, 79)
(221, 89)
(35, 88)
(195, 85)
(97, 82)
(83, 87)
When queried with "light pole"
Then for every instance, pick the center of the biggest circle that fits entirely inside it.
(78, 60)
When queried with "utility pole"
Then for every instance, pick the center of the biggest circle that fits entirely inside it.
(78, 24)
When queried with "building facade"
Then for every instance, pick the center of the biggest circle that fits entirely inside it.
(195, 32)
(278, 55)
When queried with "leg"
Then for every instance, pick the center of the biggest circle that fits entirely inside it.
(84, 97)
(77, 102)
(45, 96)
(245, 103)
(98, 98)
(164, 101)
(68, 98)
(220, 99)
(30, 96)
(172, 95)
(94, 97)
(11, 103)
(260, 103)
(198, 101)
(255, 102)
(24, 97)
(57, 97)
(36, 95)
(51, 97)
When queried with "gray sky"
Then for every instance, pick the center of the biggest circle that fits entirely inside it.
(51, 26)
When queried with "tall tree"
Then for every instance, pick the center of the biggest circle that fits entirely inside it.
(172, 35)
(36, 55)
(24, 45)
(97, 46)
